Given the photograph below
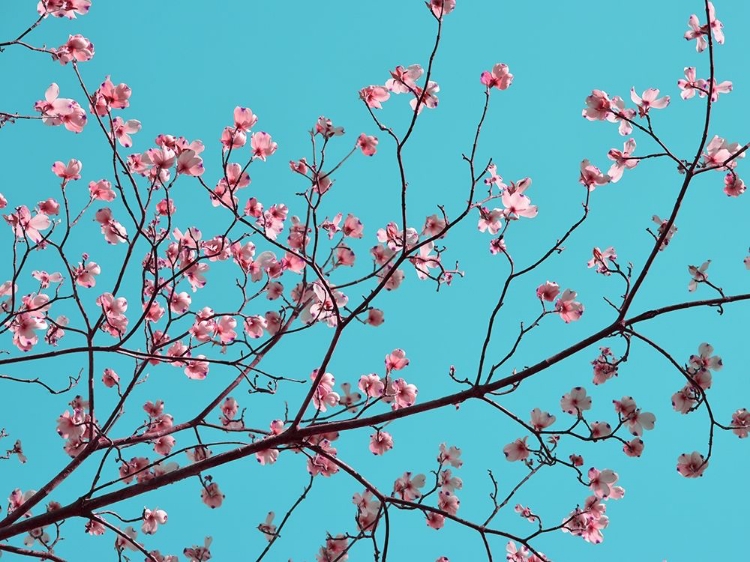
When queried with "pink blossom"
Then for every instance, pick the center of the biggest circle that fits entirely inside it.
(450, 456)
(110, 378)
(662, 227)
(648, 100)
(262, 145)
(576, 401)
(601, 259)
(622, 160)
(163, 445)
(435, 520)
(490, 221)
(404, 80)
(113, 231)
(598, 106)
(634, 447)
(371, 385)
(602, 483)
(197, 368)
(212, 496)
(741, 423)
(123, 129)
(698, 274)
(441, 8)
(380, 442)
(152, 520)
(189, 163)
(367, 144)
(600, 430)
(705, 360)
(722, 154)
(517, 204)
(401, 394)
(49, 207)
(690, 85)
(108, 96)
(325, 127)
(244, 119)
(691, 465)
(698, 31)
(63, 8)
(85, 274)
(733, 185)
(45, 278)
(425, 98)
(591, 176)
(199, 553)
(541, 420)
(516, 451)
(61, 111)
(101, 190)
(499, 78)
(448, 502)
(684, 400)
(548, 291)
(76, 48)
(70, 172)
(567, 307)
(374, 96)
(233, 138)
(407, 487)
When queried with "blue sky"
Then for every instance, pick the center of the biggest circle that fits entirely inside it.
(292, 62)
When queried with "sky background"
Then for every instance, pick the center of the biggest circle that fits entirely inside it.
(292, 62)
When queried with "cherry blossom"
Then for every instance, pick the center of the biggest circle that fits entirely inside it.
(152, 520)
(548, 291)
(123, 129)
(733, 185)
(367, 144)
(600, 260)
(441, 8)
(517, 451)
(698, 31)
(605, 366)
(45, 278)
(374, 96)
(634, 447)
(110, 378)
(197, 368)
(108, 97)
(600, 430)
(70, 172)
(741, 423)
(689, 85)
(499, 78)
(113, 231)
(244, 119)
(662, 227)
(568, 308)
(76, 48)
(61, 111)
(698, 274)
(576, 401)
(721, 154)
(425, 97)
(404, 80)
(591, 176)
(267, 527)
(450, 455)
(541, 420)
(212, 496)
(649, 99)
(199, 553)
(622, 160)
(380, 442)
(691, 465)
(326, 128)
(407, 487)
(63, 8)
